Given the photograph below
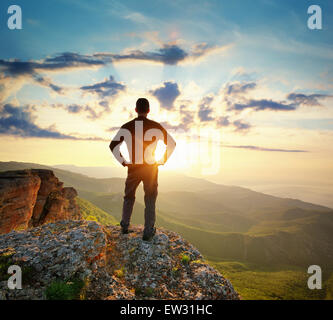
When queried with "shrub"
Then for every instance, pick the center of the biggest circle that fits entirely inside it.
(149, 292)
(138, 291)
(65, 290)
(6, 261)
(185, 259)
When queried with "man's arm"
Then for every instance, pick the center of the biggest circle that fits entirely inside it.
(115, 147)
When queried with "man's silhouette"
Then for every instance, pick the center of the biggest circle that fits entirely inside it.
(141, 136)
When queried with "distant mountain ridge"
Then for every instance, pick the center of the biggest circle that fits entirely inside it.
(224, 222)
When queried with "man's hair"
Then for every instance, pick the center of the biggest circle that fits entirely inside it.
(142, 105)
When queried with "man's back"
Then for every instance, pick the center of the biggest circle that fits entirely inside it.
(141, 136)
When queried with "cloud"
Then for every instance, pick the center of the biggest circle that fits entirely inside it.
(166, 94)
(186, 120)
(239, 87)
(24, 71)
(307, 100)
(223, 121)
(235, 98)
(256, 148)
(202, 50)
(168, 54)
(104, 90)
(92, 113)
(263, 104)
(67, 60)
(238, 125)
(19, 121)
(19, 72)
(74, 108)
(47, 83)
(241, 126)
(71, 60)
(205, 110)
(107, 88)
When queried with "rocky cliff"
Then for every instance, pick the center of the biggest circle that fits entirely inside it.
(64, 257)
(29, 198)
(108, 264)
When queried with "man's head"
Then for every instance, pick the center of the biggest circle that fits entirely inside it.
(142, 106)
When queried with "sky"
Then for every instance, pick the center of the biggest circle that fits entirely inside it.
(244, 86)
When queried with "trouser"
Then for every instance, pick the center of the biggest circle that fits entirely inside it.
(148, 174)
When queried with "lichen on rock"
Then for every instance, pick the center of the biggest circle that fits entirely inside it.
(112, 265)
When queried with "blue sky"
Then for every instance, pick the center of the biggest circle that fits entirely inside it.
(250, 70)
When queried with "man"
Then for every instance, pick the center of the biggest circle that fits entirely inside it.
(141, 136)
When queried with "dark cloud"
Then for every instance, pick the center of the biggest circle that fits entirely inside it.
(256, 148)
(72, 60)
(263, 104)
(104, 104)
(64, 61)
(205, 110)
(238, 125)
(18, 121)
(107, 88)
(18, 69)
(168, 54)
(241, 126)
(166, 94)
(74, 108)
(47, 83)
(236, 91)
(308, 100)
(91, 112)
(239, 87)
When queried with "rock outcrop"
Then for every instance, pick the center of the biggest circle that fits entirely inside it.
(29, 198)
(110, 264)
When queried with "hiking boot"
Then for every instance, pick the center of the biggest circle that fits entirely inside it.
(124, 228)
(148, 235)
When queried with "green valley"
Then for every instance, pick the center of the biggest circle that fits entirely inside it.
(262, 243)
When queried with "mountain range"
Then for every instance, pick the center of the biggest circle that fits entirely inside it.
(226, 223)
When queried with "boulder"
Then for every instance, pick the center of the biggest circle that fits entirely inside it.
(29, 198)
(18, 194)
